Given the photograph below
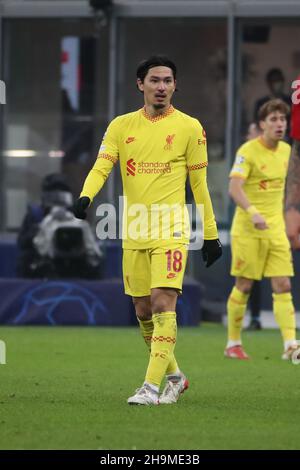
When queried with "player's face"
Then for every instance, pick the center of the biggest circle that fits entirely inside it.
(158, 87)
(274, 126)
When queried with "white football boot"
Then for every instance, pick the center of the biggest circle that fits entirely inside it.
(144, 396)
(292, 354)
(175, 386)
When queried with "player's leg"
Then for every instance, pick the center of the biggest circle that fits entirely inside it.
(136, 276)
(279, 268)
(136, 269)
(143, 312)
(247, 264)
(167, 271)
(255, 307)
(163, 301)
(236, 308)
(162, 346)
(148, 393)
(284, 312)
(144, 316)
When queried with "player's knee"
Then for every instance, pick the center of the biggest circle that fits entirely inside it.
(163, 304)
(160, 305)
(281, 286)
(163, 300)
(142, 309)
(244, 285)
(143, 315)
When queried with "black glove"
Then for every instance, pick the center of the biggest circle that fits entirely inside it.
(81, 206)
(211, 251)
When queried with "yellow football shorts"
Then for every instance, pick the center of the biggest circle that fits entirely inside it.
(254, 258)
(144, 270)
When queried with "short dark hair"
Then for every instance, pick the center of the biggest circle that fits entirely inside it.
(154, 61)
(270, 107)
(274, 75)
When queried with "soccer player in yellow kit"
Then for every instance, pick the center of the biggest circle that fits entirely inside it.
(260, 247)
(157, 146)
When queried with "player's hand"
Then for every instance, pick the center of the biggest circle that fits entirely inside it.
(211, 251)
(292, 220)
(295, 118)
(81, 206)
(259, 222)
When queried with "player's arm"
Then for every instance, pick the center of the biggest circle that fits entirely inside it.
(239, 173)
(106, 159)
(237, 193)
(197, 163)
(198, 182)
(292, 203)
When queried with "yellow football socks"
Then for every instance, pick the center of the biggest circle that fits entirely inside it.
(162, 346)
(146, 327)
(284, 312)
(236, 307)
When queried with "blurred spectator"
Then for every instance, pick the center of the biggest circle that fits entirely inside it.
(51, 242)
(275, 81)
(253, 131)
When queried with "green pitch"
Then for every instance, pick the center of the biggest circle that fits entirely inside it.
(66, 388)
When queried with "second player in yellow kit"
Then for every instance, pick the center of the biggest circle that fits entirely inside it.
(157, 147)
(257, 253)
(260, 247)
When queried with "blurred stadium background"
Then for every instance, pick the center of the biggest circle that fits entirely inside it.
(68, 69)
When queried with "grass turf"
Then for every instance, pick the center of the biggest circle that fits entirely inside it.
(66, 388)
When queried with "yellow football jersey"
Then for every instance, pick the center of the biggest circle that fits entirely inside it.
(264, 171)
(155, 156)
